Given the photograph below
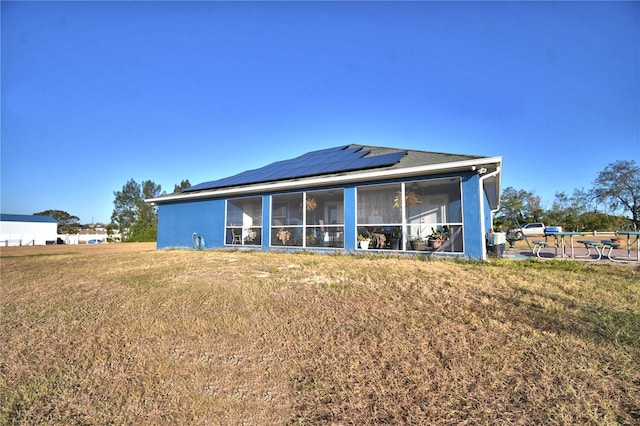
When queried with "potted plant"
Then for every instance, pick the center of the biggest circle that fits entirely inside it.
(312, 239)
(364, 241)
(437, 238)
(284, 236)
(418, 243)
(411, 199)
(311, 204)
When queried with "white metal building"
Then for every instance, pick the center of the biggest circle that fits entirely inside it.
(27, 230)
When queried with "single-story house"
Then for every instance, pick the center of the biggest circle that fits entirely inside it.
(25, 230)
(335, 198)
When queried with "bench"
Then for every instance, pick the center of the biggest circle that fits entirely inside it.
(608, 244)
(537, 246)
(589, 245)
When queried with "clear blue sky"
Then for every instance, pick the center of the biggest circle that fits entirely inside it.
(97, 93)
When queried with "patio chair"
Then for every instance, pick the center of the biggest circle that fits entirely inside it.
(236, 236)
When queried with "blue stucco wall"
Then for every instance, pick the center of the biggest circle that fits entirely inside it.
(177, 221)
(266, 220)
(350, 237)
(473, 235)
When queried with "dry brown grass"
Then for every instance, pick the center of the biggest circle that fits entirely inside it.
(95, 335)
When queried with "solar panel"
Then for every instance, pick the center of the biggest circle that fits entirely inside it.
(331, 160)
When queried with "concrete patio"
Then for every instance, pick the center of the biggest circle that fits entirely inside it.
(580, 254)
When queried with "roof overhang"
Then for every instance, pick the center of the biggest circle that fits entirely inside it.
(491, 186)
(484, 165)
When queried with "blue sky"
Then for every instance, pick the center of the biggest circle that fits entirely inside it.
(97, 93)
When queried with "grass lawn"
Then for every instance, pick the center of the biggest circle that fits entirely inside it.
(124, 334)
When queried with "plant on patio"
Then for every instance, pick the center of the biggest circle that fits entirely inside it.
(410, 198)
(311, 204)
(438, 237)
(283, 235)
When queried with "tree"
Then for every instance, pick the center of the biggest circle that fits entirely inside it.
(126, 207)
(598, 221)
(618, 186)
(570, 212)
(67, 224)
(137, 220)
(146, 227)
(183, 185)
(533, 207)
(521, 205)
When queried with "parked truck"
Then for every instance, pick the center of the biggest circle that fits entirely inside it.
(534, 229)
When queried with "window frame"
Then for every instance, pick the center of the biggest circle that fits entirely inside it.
(250, 235)
(305, 234)
(405, 225)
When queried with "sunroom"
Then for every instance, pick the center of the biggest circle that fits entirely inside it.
(352, 198)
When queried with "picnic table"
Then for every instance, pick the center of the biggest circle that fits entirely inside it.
(560, 241)
(629, 234)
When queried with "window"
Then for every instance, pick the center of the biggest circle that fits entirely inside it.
(324, 218)
(244, 221)
(379, 215)
(394, 215)
(435, 205)
(286, 220)
(308, 219)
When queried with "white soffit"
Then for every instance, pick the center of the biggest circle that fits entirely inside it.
(491, 163)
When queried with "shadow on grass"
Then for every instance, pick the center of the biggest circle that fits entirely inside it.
(595, 322)
(37, 255)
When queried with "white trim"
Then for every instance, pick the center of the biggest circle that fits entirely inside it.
(496, 172)
(403, 211)
(482, 221)
(270, 228)
(462, 217)
(334, 180)
(242, 226)
(304, 218)
(481, 194)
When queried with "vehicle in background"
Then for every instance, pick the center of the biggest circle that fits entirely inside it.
(550, 230)
(534, 229)
(530, 230)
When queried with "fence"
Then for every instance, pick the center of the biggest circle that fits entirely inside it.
(87, 238)
(15, 240)
(603, 234)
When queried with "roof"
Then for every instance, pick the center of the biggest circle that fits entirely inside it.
(347, 163)
(323, 162)
(26, 218)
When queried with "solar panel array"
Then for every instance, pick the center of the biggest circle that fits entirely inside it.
(326, 161)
